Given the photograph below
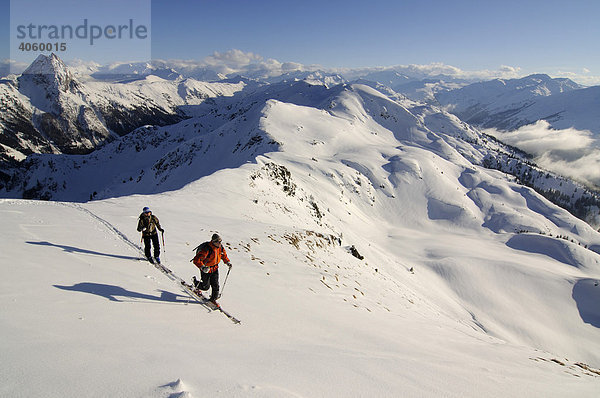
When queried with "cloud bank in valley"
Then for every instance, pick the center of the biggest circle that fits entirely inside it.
(569, 152)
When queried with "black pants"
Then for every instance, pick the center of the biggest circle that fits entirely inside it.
(154, 240)
(210, 280)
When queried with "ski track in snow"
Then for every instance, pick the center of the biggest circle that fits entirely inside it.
(110, 227)
(170, 275)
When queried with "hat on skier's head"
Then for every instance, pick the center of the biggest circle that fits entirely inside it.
(146, 210)
(215, 238)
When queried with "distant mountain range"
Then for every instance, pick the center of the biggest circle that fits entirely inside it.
(149, 129)
(504, 104)
(510, 104)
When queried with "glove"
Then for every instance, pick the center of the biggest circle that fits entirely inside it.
(162, 231)
(229, 265)
(204, 269)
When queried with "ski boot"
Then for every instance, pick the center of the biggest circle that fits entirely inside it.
(196, 286)
(214, 303)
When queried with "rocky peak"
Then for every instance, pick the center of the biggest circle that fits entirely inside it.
(51, 71)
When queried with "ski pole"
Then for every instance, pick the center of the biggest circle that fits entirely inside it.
(163, 239)
(224, 283)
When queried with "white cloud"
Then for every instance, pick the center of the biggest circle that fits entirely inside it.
(8, 66)
(291, 66)
(82, 67)
(237, 61)
(586, 80)
(570, 152)
(232, 59)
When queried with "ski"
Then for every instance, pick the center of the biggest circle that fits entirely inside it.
(182, 284)
(228, 315)
(189, 290)
(198, 296)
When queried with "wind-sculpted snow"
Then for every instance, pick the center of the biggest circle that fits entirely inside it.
(558, 249)
(350, 156)
(352, 125)
(439, 210)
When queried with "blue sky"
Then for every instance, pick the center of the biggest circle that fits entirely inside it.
(536, 36)
(467, 34)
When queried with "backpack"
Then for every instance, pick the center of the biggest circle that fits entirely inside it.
(202, 247)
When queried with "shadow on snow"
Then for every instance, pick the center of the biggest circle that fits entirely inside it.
(72, 249)
(111, 292)
(586, 293)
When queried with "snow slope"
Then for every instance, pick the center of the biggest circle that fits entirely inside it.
(315, 320)
(452, 298)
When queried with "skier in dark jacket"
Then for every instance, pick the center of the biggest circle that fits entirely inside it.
(149, 226)
(207, 258)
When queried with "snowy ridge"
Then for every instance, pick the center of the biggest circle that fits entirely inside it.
(570, 109)
(554, 120)
(231, 131)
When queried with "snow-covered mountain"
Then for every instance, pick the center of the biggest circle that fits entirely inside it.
(510, 104)
(228, 132)
(420, 83)
(48, 109)
(140, 70)
(463, 281)
(569, 109)
(418, 87)
(555, 120)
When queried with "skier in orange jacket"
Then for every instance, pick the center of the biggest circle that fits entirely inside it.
(207, 259)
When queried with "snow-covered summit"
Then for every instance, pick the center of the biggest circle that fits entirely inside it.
(53, 68)
(46, 82)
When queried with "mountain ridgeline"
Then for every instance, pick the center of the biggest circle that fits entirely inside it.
(67, 137)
